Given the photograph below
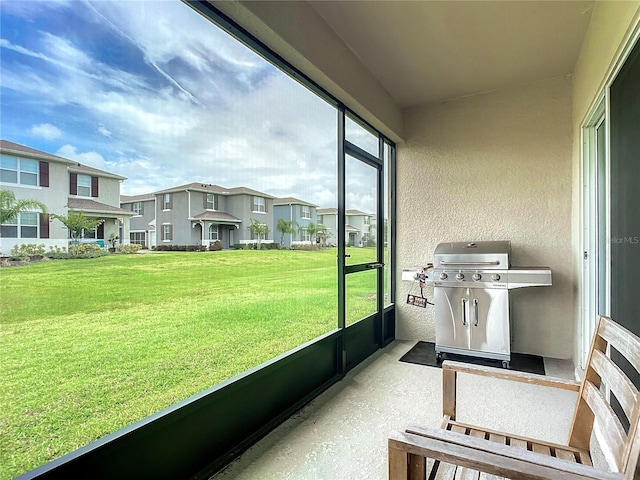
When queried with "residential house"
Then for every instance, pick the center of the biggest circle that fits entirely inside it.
(199, 214)
(61, 185)
(302, 213)
(358, 227)
(143, 222)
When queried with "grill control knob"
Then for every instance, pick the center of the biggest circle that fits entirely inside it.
(476, 277)
(443, 276)
(460, 276)
(495, 277)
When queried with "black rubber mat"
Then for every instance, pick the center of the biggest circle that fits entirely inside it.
(423, 353)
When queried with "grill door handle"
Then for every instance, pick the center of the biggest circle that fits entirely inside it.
(475, 311)
(470, 264)
(464, 311)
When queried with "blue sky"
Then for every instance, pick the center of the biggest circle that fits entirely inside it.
(152, 91)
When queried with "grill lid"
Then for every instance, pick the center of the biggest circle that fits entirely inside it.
(475, 255)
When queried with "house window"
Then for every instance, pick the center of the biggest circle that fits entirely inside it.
(166, 233)
(320, 219)
(210, 201)
(90, 233)
(84, 186)
(167, 204)
(19, 170)
(305, 211)
(259, 204)
(137, 237)
(214, 232)
(138, 208)
(304, 235)
(25, 225)
(366, 220)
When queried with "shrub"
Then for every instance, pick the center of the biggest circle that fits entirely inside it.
(27, 250)
(180, 248)
(69, 256)
(215, 246)
(130, 248)
(84, 248)
(254, 246)
(304, 246)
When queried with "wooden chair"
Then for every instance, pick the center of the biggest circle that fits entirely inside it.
(460, 451)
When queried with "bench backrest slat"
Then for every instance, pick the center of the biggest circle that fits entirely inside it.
(623, 388)
(594, 406)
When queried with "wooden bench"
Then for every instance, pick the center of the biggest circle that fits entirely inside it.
(461, 451)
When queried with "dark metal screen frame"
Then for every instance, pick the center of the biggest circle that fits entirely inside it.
(199, 435)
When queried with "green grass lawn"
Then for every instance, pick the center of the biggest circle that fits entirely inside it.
(91, 346)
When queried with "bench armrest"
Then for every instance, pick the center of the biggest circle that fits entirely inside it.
(483, 455)
(451, 369)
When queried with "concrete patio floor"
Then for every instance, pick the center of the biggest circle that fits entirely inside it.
(343, 433)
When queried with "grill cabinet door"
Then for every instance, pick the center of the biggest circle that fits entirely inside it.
(489, 320)
(452, 318)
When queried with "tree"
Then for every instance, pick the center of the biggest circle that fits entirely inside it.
(259, 230)
(11, 208)
(285, 227)
(314, 229)
(77, 223)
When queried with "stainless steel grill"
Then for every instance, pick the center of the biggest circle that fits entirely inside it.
(471, 295)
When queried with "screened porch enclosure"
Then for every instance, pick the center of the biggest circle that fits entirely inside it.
(490, 143)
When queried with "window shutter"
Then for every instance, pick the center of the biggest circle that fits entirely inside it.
(73, 184)
(44, 225)
(141, 208)
(44, 175)
(266, 202)
(170, 204)
(215, 202)
(94, 186)
(204, 200)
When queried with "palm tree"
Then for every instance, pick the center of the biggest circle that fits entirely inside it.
(314, 229)
(11, 208)
(259, 230)
(285, 227)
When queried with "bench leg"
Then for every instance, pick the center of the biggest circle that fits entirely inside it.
(405, 466)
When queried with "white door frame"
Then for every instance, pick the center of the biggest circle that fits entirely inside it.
(595, 202)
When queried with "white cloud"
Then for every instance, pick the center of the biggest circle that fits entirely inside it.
(91, 159)
(250, 126)
(46, 131)
(103, 131)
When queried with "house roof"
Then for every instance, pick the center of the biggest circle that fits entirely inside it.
(91, 206)
(357, 212)
(349, 228)
(217, 189)
(334, 211)
(222, 217)
(136, 198)
(327, 211)
(24, 151)
(291, 201)
(80, 168)
(21, 150)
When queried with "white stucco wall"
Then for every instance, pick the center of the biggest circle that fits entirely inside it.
(495, 166)
(611, 27)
